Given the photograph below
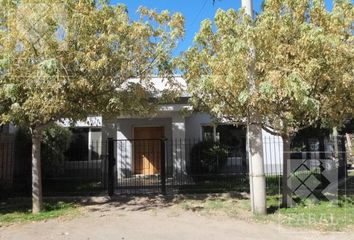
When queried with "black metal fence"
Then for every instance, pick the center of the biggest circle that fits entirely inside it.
(65, 170)
(189, 165)
(140, 166)
(7, 162)
(207, 166)
(81, 170)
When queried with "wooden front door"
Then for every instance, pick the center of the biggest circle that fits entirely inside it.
(147, 150)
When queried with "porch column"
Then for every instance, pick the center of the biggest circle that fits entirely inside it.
(178, 146)
(124, 149)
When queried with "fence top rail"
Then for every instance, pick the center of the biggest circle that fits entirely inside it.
(315, 151)
(164, 139)
(142, 139)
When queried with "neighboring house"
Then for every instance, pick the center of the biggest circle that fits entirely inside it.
(321, 143)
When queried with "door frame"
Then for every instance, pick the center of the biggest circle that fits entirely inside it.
(133, 148)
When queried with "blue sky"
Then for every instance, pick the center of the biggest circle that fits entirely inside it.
(194, 12)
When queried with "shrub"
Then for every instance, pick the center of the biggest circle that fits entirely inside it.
(55, 142)
(208, 157)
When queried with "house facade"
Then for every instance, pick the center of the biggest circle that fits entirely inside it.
(182, 132)
(137, 145)
(191, 144)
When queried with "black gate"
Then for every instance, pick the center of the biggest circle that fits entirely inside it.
(136, 166)
(143, 166)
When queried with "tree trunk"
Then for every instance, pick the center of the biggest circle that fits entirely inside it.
(255, 141)
(286, 189)
(257, 177)
(37, 201)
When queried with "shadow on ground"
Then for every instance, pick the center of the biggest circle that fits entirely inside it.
(145, 202)
(150, 202)
(127, 203)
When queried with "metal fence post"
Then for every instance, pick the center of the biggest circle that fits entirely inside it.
(322, 150)
(163, 167)
(111, 163)
(342, 168)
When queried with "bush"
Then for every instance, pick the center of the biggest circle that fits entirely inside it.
(23, 146)
(55, 142)
(208, 157)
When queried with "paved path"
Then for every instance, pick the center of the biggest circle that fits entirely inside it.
(112, 222)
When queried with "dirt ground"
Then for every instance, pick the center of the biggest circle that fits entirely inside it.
(146, 218)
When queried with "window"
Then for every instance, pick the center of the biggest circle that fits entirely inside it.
(95, 143)
(78, 149)
(208, 133)
(232, 136)
(85, 144)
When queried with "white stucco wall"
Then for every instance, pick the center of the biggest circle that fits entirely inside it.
(178, 145)
(194, 123)
(272, 153)
(125, 127)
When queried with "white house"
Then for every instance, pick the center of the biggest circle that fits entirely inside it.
(136, 138)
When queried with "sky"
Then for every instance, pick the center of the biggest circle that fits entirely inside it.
(194, 12)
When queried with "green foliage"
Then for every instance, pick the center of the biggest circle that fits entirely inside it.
(208, 157)
(302, 57)
(324, 215)
(79, 58)
(49, 66)
(17, 211)
(55, 143)
(71, 59)
(23, 149)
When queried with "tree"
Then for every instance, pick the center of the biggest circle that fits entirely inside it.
(254, 134)
(73, 58)
(303, 66)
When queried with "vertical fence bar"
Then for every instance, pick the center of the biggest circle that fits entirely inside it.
(322, 161)
(343, 171)
(163, 167)
(111, 164)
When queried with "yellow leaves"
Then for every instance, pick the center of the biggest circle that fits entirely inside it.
(161, 18)
(177, 25)
(140, 29)
(103, 48)
(81, 85)
(204, 33)
(304, 61)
